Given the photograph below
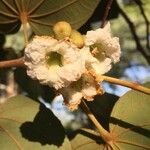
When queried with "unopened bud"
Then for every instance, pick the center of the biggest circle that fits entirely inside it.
(62, 30)
(77, 38)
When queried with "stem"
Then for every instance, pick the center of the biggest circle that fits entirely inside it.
(139, 3)
(131, 85)
(24, 21)
(25, 32)
(12, 63)
(106, 12)
(104, 133)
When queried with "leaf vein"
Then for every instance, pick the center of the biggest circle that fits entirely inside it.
(8, 15)
(88, 142)
(127, 130)
(41, 23)
(10, 7)
(53, 11)
(133, 143)
(11, 119)
(88, 8)
(8, 21)
(17, 5)
(12, 137)
(36, 7)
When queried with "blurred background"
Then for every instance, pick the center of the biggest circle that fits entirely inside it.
(129, 21)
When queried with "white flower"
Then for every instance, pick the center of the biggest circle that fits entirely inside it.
(86, 87)
(54, 63)
(99, 52)
(107, 46)
(71, 70)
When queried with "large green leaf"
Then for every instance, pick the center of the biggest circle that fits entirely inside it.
(42, 14)
(24, 124)
(130, 121)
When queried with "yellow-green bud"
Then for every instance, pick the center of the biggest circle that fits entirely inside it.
(62, 30)
(77, 38)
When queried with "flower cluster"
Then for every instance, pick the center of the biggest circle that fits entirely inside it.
(71, 62)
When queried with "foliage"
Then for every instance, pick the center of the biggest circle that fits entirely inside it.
(25, 124)
(129, 121)
(43, 14)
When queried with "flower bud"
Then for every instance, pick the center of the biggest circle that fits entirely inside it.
(77, 38)
(62, 30)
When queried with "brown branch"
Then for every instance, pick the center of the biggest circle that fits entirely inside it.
(106, 12)
(139, 3)
(12, 63)
(134, 34)
(106, 136)
(131, 85)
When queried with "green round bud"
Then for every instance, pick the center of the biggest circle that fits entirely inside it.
(77, 38)
(62, 30)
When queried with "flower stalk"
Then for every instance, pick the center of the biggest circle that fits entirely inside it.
(106, 136)
(19, 62)
(24, 20)
(132, 85)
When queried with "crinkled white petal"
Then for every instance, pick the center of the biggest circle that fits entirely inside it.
(98, 66)
(90, 87)
(86, 88)
(55, 76)
(98, 35)
(72, 97)
(102, 37)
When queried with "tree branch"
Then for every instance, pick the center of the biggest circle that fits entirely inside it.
(139, 3)
(106, 12)
(12, 63)
(135, 36)
(106, 136)
(131, 85)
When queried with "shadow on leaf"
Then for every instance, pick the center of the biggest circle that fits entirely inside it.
(102, 106)
(138, 129)
(45, 128)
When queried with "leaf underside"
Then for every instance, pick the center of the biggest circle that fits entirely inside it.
(130, 121)
(24, 124)
(43, 14)
(86, 139)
